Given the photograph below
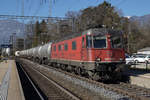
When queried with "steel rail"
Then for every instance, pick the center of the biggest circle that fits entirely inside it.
(41, 97)
(106, 86)
(72, 97)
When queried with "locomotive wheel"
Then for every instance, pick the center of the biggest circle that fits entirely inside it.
(116, 76)
(79, 70)
(63, 67)
(93, 75)
(96, 77)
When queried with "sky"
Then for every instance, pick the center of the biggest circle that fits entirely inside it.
(60, 7)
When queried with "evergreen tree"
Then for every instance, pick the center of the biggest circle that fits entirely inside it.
(37, 33)
(103, 14)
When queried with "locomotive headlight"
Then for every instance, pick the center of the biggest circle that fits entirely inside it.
(89, 32)
(98, 59)
(121, 59)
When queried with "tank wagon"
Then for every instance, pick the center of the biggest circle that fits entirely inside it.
(45, 53)
(17, 53)
(39, 54)
(97, 54)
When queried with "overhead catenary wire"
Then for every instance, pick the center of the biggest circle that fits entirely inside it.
(38, 9)
(120, 3)
(17, 6)
(29, 7)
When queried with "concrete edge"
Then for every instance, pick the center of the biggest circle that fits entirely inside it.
(144, 76)
(21, 90)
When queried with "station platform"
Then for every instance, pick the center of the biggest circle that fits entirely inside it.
(138, 75)
(141, 80)
(141, 66)
(10, 86)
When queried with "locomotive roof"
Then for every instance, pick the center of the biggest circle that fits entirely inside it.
(95, 31)
(102, 31)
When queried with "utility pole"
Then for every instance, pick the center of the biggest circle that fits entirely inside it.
(128, 40)
(22, 14)
(13, 40)
(22, 9)
(50, 8)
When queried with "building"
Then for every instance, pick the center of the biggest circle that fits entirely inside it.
(19, 44)
(144, 51)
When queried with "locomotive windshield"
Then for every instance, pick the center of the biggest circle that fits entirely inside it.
(96, 42)
(99, 42)
(116, 42)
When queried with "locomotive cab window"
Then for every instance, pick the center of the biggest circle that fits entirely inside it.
(59, 47)
(55, 48)
(83, 43)
(74, 45)
(89, 41)
(99, 42)
(66, 47)
(116, 42)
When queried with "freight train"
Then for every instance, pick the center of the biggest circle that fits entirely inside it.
(97, 54)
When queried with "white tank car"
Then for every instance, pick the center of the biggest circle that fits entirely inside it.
(25, 52)
(39, 52)
(21, 53)
(30, 52)
(45, 51)
(17, 53)
(8, 51)
(35, 52)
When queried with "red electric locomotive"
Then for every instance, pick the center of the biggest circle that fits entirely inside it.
(97, 53)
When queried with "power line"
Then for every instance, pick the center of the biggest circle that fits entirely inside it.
(38, 9)
(31, 17)
(121, 2)
(30, 4)
(22, 9)
(51, 2)
(17, 5)
(50, 8)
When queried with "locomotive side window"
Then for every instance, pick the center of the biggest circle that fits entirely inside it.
(66, 47)
(83, 43)
(89, 41)
(59, 47)
(74, 45)
(55, 48)
(99, 42)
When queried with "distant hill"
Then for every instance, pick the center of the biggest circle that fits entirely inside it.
(143, 20)
(7, 27)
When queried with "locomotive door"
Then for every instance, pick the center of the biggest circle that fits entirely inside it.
(83, 50)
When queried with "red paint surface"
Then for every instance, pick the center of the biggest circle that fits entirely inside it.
(87, 54)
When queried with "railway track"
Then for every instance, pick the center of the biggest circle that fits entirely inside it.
(135, 91)
(127, 91)
(31, 91)
(52, 90)
(131, 91)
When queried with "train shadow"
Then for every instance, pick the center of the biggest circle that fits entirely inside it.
(124, 79)
(137, 69)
